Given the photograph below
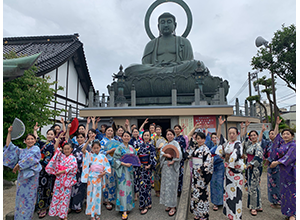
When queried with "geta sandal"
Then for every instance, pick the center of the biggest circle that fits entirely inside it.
(215, 208)
(124, 216)
(172, 212)
(253, 212)
(108, 206)
(168, 209)
(143, 212)
(42, 213)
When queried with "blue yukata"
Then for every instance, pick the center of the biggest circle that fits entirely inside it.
(109, 193)
(217, 180)
(144, 175)
(135, 143)
(28, 177)
(118, 138)
(93, 165)
(285, 153)
(182, 143)
(46, 181)
(273, 174)
(125, 180)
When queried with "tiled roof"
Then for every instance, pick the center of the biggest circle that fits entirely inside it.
(56, 50)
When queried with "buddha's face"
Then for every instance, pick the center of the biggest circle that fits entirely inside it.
(166, 25)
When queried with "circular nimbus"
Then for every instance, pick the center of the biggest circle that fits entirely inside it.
(179, 2)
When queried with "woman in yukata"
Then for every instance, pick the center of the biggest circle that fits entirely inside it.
(135, 141)
(79, 189)
(283, 153)
(46, 181)
(64, 166)
(217, 180)
(57, 127)
(109, 145)
(232, 151)
(157, 172)
(80, 130)
(202, 171)
(95, 166)
(144, 172)
(27, 163)
(125, 178)
(119, 132)
(151, 129)
(273, 173)
(169, 175)
(254, 153)
(181, 141)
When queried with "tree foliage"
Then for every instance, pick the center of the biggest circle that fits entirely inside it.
(28, 98)
(280, 56)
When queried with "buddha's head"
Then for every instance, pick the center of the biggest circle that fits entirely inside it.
(166, 24)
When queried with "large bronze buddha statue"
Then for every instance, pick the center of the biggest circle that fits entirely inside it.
(167, 53)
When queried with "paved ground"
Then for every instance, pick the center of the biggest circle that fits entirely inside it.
(157, 212)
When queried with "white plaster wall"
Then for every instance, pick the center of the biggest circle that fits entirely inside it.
(73, 79)
(62, 78)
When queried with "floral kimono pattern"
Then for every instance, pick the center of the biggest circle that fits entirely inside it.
(285, 153)
(217, 179)
(109, 193)
(144, 176)
(232, 202)
(181, 141)
(79, 188)
(63, 183)
(273, 176)
(200, 180)
(29, 162)
(46, 181)
(135, 143)
(169, 177)
(125, 178)
(91, 170)
(157, 171)
(254, 157)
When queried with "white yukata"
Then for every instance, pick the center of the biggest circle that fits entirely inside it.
(92, 166)
(233, 179)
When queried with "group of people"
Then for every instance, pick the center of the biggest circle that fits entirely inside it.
(59, 174)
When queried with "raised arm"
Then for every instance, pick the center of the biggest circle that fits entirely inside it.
(221, 122)
(97, 121)
(142, 126)
(183, 127)
(62, 121)
(68, 132)
(35, 128)
(190, 135)
(88, 121)
(8, 138)
(126, 125)
(85, 145)
(61, 135)
(93, 122)
(206, 126)
(276, 129)
(263, 128)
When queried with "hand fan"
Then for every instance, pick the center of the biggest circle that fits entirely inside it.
(160, 142)
(172, 150)
(131, 158)
(197, 162)
(74, 127)
(18, 129)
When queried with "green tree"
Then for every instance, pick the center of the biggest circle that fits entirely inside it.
(280, 56)
(28, 98)
(257, 99)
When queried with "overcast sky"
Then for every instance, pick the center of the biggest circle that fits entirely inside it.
(113, 33)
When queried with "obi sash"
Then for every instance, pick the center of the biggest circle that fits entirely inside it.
(144, 158)
(250, 157)
(96, 168)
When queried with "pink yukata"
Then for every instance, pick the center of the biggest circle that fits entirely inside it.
(63, 183)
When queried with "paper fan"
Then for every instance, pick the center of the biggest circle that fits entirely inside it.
(160, 142)
(18, 129)
(74, 127)
(172, 150)
(131, 158)
(197, 162)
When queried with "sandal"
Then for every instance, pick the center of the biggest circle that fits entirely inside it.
(292, 217)
(253, 212)
(42, 213)
(275, 206)
(143, 212)
(78, 211)
(259, 210)
(149, 207)
(97, 217)
(124, 216)
(172, 212)
(108, 206)
(168, 209)
(215, 208)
